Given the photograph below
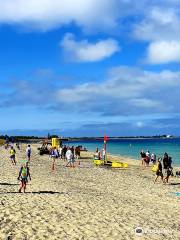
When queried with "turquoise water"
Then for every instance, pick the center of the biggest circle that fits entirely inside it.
(132, 147)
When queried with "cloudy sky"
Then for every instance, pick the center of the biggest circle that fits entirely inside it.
(85, 68)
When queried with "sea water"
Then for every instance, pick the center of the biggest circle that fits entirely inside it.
(132, 147)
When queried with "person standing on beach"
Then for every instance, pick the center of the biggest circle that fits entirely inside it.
(147, 159)
(103, 154)
(54, 155)
(143, 156)
(13, 155)
(97, 154)
(28, 153)
(159, 172)
(165, 162)
(60, 152)
(64, 150)
(153, 158)
(77, 152)
(69, 157)
(24, 174)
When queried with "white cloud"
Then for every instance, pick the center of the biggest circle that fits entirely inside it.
(163, 52)
(160, 27)
(126, 91)
(144, 102)
(84, 51)
(101, 15)
(48, 14)
(160, 23)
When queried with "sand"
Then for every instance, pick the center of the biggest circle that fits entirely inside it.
(86, 202)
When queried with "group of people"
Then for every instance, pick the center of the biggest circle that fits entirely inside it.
(13, 153)
(147, 157)
(164, 168)
(100, 155)
(70, 154)
(24, 172)
(163, 165)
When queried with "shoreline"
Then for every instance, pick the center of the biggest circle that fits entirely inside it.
(130, 160)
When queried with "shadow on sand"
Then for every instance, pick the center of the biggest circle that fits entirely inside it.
(9, 184)
(174, 184)
(39, 192)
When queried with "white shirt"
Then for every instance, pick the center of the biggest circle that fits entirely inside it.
(28, 150)
(69, 154)
(147, 154)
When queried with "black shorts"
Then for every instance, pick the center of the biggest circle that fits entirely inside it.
(24, 180)
(159, 173)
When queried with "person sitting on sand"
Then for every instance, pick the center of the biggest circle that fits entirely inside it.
(159, 170)
(168, 174)
(13, 155)
(69, 157)
(24, 174)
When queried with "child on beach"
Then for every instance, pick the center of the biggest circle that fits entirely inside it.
(24, 174)
(13, 155)
(159, 170)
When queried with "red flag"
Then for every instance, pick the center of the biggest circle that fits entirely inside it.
(105, 138)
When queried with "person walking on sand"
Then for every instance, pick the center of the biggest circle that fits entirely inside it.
(69, 157)
(54, 155)
(28, 153)
(13, 155)
(168, 174)
(24, 174)
(159, 172)
(165, 162)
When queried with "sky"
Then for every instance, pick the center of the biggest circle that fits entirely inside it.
(89, 68)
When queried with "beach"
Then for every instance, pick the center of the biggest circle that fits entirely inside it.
(86, 202)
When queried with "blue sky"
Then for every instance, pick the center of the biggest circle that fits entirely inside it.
(85, 68)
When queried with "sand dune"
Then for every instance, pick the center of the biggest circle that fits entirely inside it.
(87, 202)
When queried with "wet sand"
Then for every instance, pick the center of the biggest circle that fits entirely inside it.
(86, 202)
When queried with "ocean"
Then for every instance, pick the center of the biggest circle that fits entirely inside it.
(132, 147)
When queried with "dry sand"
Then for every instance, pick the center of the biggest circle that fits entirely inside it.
(87, 202)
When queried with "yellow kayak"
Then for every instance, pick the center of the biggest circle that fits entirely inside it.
(98, 162)
(119, 165)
